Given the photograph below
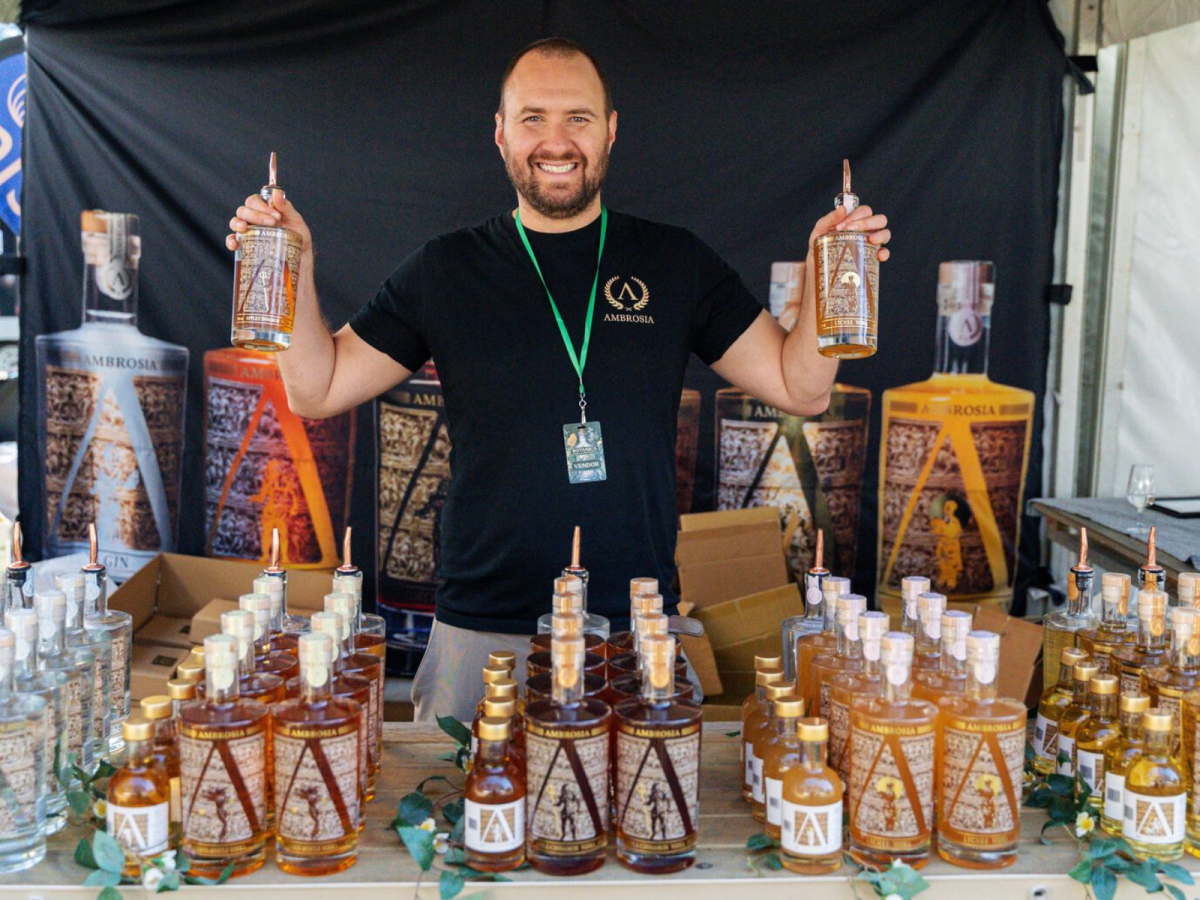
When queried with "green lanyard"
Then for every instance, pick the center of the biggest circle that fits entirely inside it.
(581, 360)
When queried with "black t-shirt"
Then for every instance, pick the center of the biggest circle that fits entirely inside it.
(473, 301)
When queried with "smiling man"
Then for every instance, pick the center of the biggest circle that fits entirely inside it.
(561, 332)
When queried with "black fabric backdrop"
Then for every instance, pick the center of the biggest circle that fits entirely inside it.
(734, 119)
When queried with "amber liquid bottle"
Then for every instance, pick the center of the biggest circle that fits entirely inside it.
(159, 710)
(891, 766)
(567, 600)
(223, 745)
(658, 769)
(1113, 631)
(1151, 647)
(981, 758)
(1119, 755)
(1166, 685)
(810, 646)
(1155, 820)
(647, 624)
(1078, 711)
(1054, 702)
(757, 696)
(928, 639)
(1093, 739)
(844, 687)
(356, 661)
(318, 766)
(847, 283)
(567, 764)
(138, 814)
(763, 679)
(266, 660)
(811, 818)
(951, 675)
(1189, 758)
(782, 755)
(639, 590)
(495, 801)
(848, 656)
(759, 734)
(348, 579)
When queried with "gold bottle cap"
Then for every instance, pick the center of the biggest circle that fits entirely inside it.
(241, 625)
(495, 708)
(220, 660)
(658, 660)
(157, 706)
(495, 729)
(493, 673)
(766, 677)
(1086, 671)
(1188, 588)
(191, 671)
(834, 586)
(329, 623)
(646, 603)
(505, 689)
(1104, 684)
(652, 624)
(566, 603)
(639, 586)
(181, 689)
(790, 707)
(767, 662)
(1072, 656)
(781, 689)
(896, 649)
(1157, 719)
(570, 584)
(566, 625)
(812, 729)
(1134, 703)
(505, 658)
(137, 728)
(197, 652)
(342, 603)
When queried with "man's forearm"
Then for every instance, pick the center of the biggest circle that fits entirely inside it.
(307, 367)
(807, 375)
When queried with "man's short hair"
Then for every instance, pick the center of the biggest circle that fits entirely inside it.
(562, 48)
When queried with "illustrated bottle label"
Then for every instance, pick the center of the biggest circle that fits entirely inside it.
(1090, 769)
(567, 783)
(847, 280)
(658, 787)
(494, 827)
(268, 270)
(981, 778)
(891, 783)
(54, 735)
(811, 830)
(75, 711)
(316, 784)
(1154, 820)
(1065, 764)
(1131, 682)
(774, 793)
(839, 732)
(223, 774)
(1114, 796)
(142, 830)
(22, 754)
(1045, 738)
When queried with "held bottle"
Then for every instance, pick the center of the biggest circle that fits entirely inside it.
(811, 814)
(847, 282)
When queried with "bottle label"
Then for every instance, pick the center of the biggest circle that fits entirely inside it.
(847, 280)
(891, 781)
(839, 732)
(142, 830)
(756, 783)
(567, 781)
(223, 773)
(76, 707)
(1154, 820)
(1114, 796)
(22, 756)
(1065, 764)
(774, 792)
(658, 786)
(1090, 770)
(748, 764)
(1045, 738)
(267, 273)
(494, 828)
(1131, 682)
(55, 738)
(811, 830)
(981, 779)
(826, 694)
(316, 783)
(120, 667)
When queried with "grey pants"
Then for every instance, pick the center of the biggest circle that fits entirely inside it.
(449, 681)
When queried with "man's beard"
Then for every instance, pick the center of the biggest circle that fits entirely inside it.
(557, 204)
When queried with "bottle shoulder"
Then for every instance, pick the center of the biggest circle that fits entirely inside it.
(333, 711)
(1000, 709)
(43, 680)
(242, 712)
(881, 709)
(585, 714)
(675, 713)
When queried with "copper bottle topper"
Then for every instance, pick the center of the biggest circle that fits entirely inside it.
(1152, 548)
(272, 179)
(818, 566)
(18, 561)
(847, 198)
(347, 567)
(1082, 565)
(576, 566)
(274, 568)
(94, 564)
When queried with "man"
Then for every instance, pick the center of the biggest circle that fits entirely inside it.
(545, 321)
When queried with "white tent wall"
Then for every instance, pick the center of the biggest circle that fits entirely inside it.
(1125, 20)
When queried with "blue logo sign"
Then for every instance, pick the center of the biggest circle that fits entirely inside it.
(12, 120)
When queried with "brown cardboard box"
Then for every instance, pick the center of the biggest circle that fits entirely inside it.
(726, 517)
(151, 666)
(207, 621)
(1020, 675)
(699, 653)
(718, 564)
(167, 631)
(739, 657)
(751, 616)
(727, 707)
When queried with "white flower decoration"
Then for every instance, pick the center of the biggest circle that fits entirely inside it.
(428, 825)
(1084, 824)
(152, 878)
(893, 897)
(100, 809)
(441, 842)
(167, 860)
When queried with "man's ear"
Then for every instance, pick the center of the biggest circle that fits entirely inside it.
(612, 128)
(500, 133)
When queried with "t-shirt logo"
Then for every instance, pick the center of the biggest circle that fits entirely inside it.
(630, 296)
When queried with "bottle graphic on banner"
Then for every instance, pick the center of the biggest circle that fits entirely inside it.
(952, 464)
(687, 436)
(111, 413)
(266, 468)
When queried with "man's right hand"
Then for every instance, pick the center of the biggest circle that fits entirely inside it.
(280, 212)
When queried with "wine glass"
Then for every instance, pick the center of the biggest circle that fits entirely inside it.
(1139, 492)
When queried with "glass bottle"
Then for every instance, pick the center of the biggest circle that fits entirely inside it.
(758, 695)
(272, 581)
(1113, 631)
(24, 725)
(981, 760)
(811, 817)
(359, 662)
(657, 769)
(810, 646)
(847, 282)
(928, 639)
(567, 764)
(1117, 757)
(1151, 647)
(766, 681)
(1155, 794)
(274, 662)
(223, 745)
(159, 710)
(813, 620)
(1055, 699)
(252, 684)
(1093, 738)
(1060, 628)
(912, 587)
(892, 766)
(501, 689)
(139, 799)
(622, 641)
(348, 579)
(18, 577)
(782, 754)
(266, 275)
(1187, 589)
(99, 644)
(848, 656)
(110, 412)
(951, 675)
(1078, 711)
(849, 685)
(1151, 576)
(180, 691)
(80, 668)
(99, 619)
(762, 732)
(494, 802)
(568, 599)
(191, 670)
(507, 709)
(953, 457)
(317, 740)
(643, 626)
(1189, 757)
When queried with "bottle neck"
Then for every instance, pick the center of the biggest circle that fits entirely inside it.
(812, 755)
(51, 639)
(1131, 727)
(1104, 706)
(138, 753)
(1111, 617)
(246, 663)
(1079, 591)
(262, 643)
(848, 644)
(929, 636)
(222, 693)
(1066, 678)
(314, 684)
(1147, 639)
(813, 597)
(660, 694)
(571, 693)
(1158, 743)
(962, 349)
(910, 622)
(492, 754)
(981, 681)
(830, 614)
(95, 592)
(785, 727)
(1081, 694)
(948, 663)
(27, 666)
(897, 683)
(1181, 652)
(164, 730)
(110, 274)
(7, 673)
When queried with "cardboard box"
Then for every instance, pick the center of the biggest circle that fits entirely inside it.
(727, 706)
(151, 667)
(721, 563)
(727, 517)
(699, 653)
(167, 631)
(1020, 675)
(752, 616)
(739, 657)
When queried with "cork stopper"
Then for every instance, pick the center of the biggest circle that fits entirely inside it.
(505, 689)
(912, 587)
(983, 655)
(896, 648)
(833, 587)
(1104, 684)
(767, 662)
(315, 651)
(342, 604)
(259, 606)
(780, 690)
(871, 628)
(505, 658)
(1071, 657)
(220, 660)
(766, 677)
(273, 588)
(789, 707)
(1114, 588)
(566, 660)
(181, 689)
(24, 626)
(1157, 719)
(652, 624)
(849, 607)
(137, 728)
(240, 624)
(1086, 671)
(572, 584)
(567, 603)
(642, 586)
(1183, 621)
(495, 708)
(930, 606)
(646, 603)
(812, 729)
(1188, 588)
(327, 622)
(495, 729)
(1134, 703)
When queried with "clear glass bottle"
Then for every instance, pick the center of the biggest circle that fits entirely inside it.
(762, 732)
(847, 282)
(317, 742)
(18, 577)
(356, 661)
(630, 663)
(1117, 757)
(159, 710)
(657, 768)
(274, 662)
(1093, 738)
(80, 668)
(1187, 589)
(928, 652)
(912, 587)
(781, 756)
(567, 748)
(847, 657)
(1113, 631)
(1078, 711)
(622, 641)
(981, 760)
(224, 741)
(494, 796)
(138, 803)
(846, 686)
(348, 579)
(811, 817)
(99, 644)
(273, 581)
(24, 724)
(1150, 650)
(1055, 699)
(1060, 628)
(951, 675)
(1155, 794)
(813, 620)
(1166, 684)
(810, 646)
(99, 619)
(892, 766)
(568, 599)
(110, 413)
